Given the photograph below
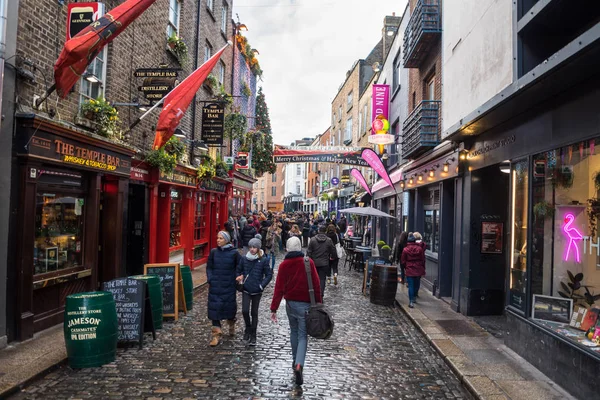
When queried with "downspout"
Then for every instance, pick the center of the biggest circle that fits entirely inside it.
(195, 68)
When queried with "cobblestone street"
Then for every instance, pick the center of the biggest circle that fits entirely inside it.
(375, 353)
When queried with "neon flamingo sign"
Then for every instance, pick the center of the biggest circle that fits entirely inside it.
(573, 234)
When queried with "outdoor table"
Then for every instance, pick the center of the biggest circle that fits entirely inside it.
(364, 251)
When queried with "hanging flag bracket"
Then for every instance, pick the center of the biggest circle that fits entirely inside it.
(38, 102)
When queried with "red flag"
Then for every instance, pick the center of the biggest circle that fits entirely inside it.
(178, 100)
(81, 50)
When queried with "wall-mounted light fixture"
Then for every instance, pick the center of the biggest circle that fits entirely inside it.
(411, 180)
(402, 184)
(420, 178)
(446, 166)
(463, 155)
(91, 77)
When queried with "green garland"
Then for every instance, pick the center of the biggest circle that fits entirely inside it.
(235, 125)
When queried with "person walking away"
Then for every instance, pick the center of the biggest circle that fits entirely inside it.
(333, 262)
(220, 276)
(292, 285)
(271, 243)
(254, 272)
(413, 257)
(247, 233)
(243, 222)
(419, 240)
(342, 224)
(305, 232)
(402, 241)
(321, 250)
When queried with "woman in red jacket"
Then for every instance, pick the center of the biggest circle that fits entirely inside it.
(413, 258)
(292, 284)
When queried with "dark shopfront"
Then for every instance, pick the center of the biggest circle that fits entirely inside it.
(71, 211)
(430, 183)
(529, 222)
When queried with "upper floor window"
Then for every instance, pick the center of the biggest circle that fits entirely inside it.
(273, 190)
(349, 101)
(348, 134)
(210, 4)
(174, 12)
(93, 82)
(298, 170)
(221, 72)
(430, 88)
(396, 72)
(273, 179)
(207, 51)
(340, 113)
(224, 13)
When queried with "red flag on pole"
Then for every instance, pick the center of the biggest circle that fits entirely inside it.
(178, 100)
(81, 50)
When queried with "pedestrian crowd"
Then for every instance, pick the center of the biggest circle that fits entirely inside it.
(244, 261)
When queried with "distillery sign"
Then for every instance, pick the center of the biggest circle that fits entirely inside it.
(68, 151)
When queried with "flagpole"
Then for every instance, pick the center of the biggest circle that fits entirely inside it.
(49, 91)
(229, 43)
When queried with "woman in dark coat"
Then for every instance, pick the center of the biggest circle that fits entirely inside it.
(221, 274)
(413, 258)
(402, 241)
(254, 272)
(334, 261)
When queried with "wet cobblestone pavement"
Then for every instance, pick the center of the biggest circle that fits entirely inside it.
(375, 353)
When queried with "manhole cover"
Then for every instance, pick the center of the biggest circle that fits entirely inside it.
(458, 327)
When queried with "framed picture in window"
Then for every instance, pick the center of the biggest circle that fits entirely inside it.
(492, 237)
(548, 308)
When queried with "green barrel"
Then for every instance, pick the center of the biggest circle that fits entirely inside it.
(188, 286)
(156, 297)
(91, 329)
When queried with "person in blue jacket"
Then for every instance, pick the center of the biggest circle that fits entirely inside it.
(255, 273)
(221, 274)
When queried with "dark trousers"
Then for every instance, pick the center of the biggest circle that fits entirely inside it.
(246, 301)
(217, 323)
(402, 274)
(414, 283)
(333, 266)
(304, 240)
(323, 272)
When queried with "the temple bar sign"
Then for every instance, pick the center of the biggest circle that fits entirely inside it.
(213, 116)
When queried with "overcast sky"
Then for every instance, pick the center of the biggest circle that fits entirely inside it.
(306, 47)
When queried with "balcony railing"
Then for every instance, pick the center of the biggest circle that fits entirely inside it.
(424, 28)
(421, 129)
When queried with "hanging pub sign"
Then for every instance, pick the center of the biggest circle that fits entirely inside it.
(214, 186)
(213, 115)
(80, 15)
(158, 82)
(345, 176)
(242, 160)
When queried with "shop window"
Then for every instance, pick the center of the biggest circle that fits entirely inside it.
(565, 248)
(200, 231)
(431, 230)
(58, 243)
(518, 250)
(200, 252)
(174, 12)
(175, 225)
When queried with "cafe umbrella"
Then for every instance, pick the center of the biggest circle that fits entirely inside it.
(366, 211)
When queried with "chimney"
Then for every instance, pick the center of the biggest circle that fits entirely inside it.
(391, 25)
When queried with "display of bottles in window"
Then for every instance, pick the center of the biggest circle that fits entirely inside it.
(201, 219)
(58, 232)
(175, 223)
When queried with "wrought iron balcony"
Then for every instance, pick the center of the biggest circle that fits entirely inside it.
(423, 30)
(421, 129)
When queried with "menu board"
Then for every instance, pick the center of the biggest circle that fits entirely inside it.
(491, 237)
(130, 298)
(172, 287)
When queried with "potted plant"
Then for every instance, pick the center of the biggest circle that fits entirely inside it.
(105, 117)
(178, 47)
(543, 209)
(324, 197)
(162, 160)
(221, 169)
(206, 169)
(212, 83)
(380, 244)
(385, 252)
(593, 211)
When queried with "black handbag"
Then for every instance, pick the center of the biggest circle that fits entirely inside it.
(319, 323)
(239, 286)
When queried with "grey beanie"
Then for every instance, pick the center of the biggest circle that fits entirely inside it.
(254, 243)
(258, 236)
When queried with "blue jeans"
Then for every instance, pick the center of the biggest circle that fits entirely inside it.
(272, 256)
(414, 283)
(296, 312)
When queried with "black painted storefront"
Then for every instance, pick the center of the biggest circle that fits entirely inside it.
(483, 194)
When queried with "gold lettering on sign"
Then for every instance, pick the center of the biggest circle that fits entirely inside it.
(82, 156)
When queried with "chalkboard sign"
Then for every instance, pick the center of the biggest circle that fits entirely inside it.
(133, 308)
(172, 287)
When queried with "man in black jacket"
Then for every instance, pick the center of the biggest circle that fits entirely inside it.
(321, 250)
(247, 234)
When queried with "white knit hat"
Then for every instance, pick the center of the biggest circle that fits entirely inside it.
(293, 244)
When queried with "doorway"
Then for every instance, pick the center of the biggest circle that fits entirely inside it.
(137, 230)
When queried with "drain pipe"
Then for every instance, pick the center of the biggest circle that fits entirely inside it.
(195, 67)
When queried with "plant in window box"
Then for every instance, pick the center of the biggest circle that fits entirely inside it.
(105, 117)
(162, 160)
(175, 147)
(212, 82)
(246, 89)
(543, 210)
(206, 169)
(593, 211)
(324, 197)
(178, 47)
(221, 169)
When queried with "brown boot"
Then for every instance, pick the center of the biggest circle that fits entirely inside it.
(216, 336)
(231, 327)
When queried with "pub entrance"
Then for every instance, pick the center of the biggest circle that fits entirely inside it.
(137, 230)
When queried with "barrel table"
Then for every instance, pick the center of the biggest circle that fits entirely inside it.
(188, 286)
(91, 329)
(384, 283)
(156, 298)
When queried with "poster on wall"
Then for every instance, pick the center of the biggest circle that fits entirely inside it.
(491, 237)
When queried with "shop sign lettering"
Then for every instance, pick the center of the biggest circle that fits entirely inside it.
(213, 186)
(179, 177)
(486, 148)
(73, 154)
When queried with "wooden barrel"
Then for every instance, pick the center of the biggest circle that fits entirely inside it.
(156, 297)
(91, 329)
(384, 283)
(188, 286)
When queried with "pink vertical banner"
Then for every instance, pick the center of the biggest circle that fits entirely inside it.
(375, 162)
(380, 103)
(581, 150)
(361, 179)
(593, 146)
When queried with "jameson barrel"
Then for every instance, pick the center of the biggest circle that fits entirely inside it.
(156, 297)
(91, 329)
(188, 286)
(384, 283)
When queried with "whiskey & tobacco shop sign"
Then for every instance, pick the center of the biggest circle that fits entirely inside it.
(69, 151)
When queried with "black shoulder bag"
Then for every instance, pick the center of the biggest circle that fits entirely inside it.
(319, 323)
